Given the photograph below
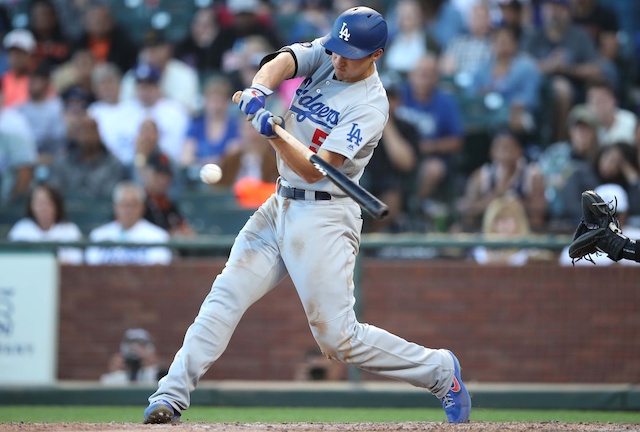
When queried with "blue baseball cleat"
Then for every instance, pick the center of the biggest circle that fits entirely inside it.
(161, 412)
(457, 402)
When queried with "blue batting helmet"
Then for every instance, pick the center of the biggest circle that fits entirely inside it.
(356, 33)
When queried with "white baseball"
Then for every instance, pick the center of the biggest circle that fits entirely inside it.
(210, 173)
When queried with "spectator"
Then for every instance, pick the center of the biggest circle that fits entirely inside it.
(566, 56)
(202, 48)
(170, 116)
(45, 116)
(178, 81)
(211, 133)
(506, 174)
(411, 42)
(466, 53)
(313, 20)
(505, 218)
(147, 143)
(106, 40)
(618, 163)
(392, 167)
(436, 116)
(568, 169)
(512, 14)
(615, 124)
(514, 76)
(15, 82)
(18, 154)
(71, 13)
(51, 45)
(160, 209)
(601, 23)
(76, 73)
(250, 168)
(136, 360)
(90, 169)
(246, 22)
(46, 221)
(76, 101)
(443, 20)
(129, 226)
(106, 110)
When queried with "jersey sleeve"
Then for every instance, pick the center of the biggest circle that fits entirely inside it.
(361, 126)
(306, 55)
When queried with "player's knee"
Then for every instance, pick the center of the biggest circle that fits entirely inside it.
(334, 341)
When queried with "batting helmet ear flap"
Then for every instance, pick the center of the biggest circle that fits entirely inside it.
(357, 33)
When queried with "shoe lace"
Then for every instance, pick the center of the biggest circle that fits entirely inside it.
(447, 401)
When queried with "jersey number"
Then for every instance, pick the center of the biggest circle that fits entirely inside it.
(318, 139)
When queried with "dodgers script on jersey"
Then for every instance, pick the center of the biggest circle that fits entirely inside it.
(345, 118)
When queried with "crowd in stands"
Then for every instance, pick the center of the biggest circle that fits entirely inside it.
(497, 107)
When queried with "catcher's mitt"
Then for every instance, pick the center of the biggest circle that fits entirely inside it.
(598, 231)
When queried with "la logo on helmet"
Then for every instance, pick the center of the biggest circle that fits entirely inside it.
(344, 32)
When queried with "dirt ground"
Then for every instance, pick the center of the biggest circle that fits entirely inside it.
(323, 427)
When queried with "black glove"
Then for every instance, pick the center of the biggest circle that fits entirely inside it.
(598, 230)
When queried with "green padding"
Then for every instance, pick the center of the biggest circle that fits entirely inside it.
(561, 399)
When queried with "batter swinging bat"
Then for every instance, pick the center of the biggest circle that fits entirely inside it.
(366, 199)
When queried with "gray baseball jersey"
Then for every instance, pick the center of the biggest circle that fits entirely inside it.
(345, 118)
(314, 242)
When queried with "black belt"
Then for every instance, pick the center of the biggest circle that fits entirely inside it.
(300, 194)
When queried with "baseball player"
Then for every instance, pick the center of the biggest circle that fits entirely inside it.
(309, 229)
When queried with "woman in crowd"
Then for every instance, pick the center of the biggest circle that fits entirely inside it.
(45, 220)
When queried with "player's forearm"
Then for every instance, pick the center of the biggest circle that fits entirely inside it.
(274, 72)
(295, 160)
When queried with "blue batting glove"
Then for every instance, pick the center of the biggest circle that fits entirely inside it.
(264, 122)
(253, 99)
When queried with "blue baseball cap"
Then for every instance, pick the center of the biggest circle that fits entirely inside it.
(145, 72)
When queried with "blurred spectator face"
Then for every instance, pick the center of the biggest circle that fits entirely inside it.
(38, 87)
(43, 208)
(148, 93)
(409, 16)
(505, 44)
(19, 61)
(129, 208)
(424, 77)
(505, 149)
(203, 27)
(217, 95)
(43, 20)
(157, 55)
(479, 21)
(505, 223)
(83, 63)
(583, 138)
(98, 22)
(602, 102)
(147, 140)
(107, 88)
(555, 15)
(511, 14)
(87, 134)
(610, 163)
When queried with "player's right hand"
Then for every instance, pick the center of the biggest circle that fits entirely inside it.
(252, 99)
(264, 122)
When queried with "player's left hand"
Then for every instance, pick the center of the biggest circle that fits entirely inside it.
(264, 122)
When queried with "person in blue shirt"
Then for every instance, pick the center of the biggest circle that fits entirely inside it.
(436, 116)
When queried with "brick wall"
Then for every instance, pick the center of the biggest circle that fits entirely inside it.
(531, 324)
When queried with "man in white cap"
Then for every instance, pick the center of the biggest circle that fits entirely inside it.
(20, 44)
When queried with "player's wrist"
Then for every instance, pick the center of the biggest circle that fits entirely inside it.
(262, 88)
